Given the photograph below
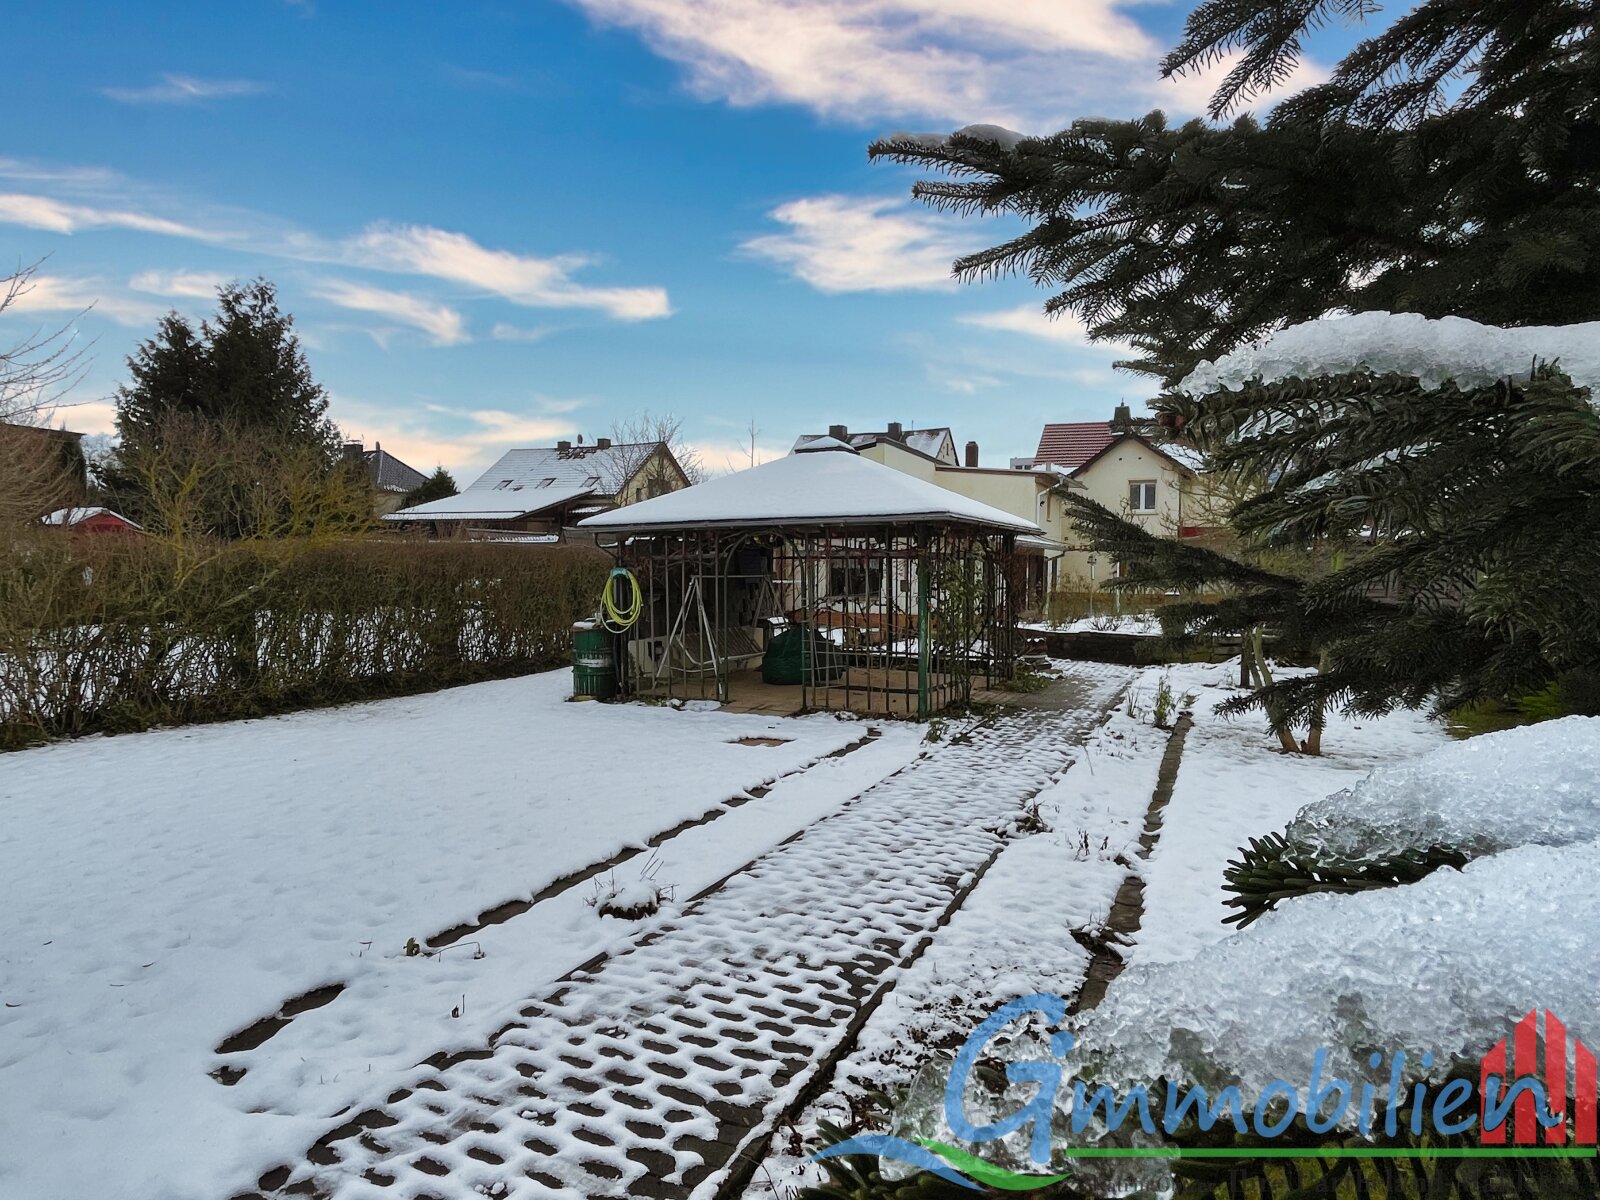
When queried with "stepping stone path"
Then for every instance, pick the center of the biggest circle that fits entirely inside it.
(643, 1074)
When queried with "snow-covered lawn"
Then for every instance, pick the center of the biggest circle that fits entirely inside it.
(162, 891)
(1233, 785)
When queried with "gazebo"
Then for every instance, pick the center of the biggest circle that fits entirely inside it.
(821, 580)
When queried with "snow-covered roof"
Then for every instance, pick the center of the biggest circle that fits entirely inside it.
(534, 479)
(808, 444)
(491, 505)
(1434, 350)
(76, 516)
(937, 442)
(834, 488)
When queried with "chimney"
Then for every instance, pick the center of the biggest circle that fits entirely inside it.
(563, 445)
(897, 431)
(352, 451)
(972, 454)
(1122, 419)
(840, 432)
(603, 443)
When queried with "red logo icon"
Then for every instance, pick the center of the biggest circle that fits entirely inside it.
(1529, 1091)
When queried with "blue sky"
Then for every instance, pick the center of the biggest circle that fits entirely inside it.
(500, 223)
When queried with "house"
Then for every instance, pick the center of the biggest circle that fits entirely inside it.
(1132, 467)
(1030, 493)
(937, 443)
(44, 453)
(540, 492)
(91, 520)
(391, 479)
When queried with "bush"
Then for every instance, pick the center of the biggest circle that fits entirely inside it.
(109, 634)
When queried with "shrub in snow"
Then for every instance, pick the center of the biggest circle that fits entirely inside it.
(1536, 785)
(631, 901)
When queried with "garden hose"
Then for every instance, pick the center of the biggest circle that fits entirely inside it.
(615, 618)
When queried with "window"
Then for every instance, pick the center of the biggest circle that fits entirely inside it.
(855, 579)
(1142, 496)
(546, 482)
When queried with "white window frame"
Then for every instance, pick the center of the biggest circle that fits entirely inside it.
(1142, 484)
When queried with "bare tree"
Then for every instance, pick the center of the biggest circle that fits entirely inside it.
(205, 482)
(753, 432)
(636, 439)
(39, 470)
(37, 371)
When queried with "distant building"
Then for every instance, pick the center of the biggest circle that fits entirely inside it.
(1034, 494)
(391, 479)
(1132, 467)
(25, 446)
(540, 492)
(91, 520)
(937, 443)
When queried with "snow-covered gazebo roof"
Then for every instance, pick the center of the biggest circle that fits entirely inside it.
(816, 487)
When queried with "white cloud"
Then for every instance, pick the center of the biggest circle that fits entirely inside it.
(522, 279)
(60, 216)
(103, 202)
(443, 324)
(861, 244)
(185, 89)
(1031, 321)
(503, 332)
(861, 60)
(62, 294)
(197, 285)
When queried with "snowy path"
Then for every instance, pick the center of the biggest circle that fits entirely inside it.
(644, 1074)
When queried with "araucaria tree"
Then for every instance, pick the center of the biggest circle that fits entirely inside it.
(1450, 166)
(224, 429)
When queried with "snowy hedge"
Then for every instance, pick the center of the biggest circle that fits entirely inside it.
(109, 634)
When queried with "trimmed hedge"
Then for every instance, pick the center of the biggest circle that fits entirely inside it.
(112, 634)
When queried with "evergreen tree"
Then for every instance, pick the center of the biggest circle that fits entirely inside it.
(244, 366)
(1382, 189)
(1454, 525)
(240, 380)
(438, 486)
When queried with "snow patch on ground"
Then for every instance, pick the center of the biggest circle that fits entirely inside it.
(161, 891)
(1234, 784)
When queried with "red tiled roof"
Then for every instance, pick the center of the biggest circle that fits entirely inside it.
(1074, 443)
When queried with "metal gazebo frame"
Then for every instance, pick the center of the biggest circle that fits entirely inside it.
(899, 615)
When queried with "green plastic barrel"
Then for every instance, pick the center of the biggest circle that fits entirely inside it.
(594, 664)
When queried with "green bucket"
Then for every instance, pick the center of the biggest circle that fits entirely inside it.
(594, 664)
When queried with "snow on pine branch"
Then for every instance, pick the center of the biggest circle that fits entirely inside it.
(1434, 350)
